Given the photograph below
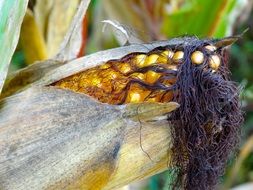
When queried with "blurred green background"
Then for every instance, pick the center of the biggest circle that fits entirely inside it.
(47, 21)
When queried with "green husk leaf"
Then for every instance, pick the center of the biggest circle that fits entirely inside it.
(11, 14)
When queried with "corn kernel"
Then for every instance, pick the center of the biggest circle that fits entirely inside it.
(210, 47)
(125, 68)
(152, 77)
(151, 59)
(167, 97)
(172, 67)
(178, 56)
(140, 60)
(140, 76)
(156, 98)
(105, 66)
(163, 58)
(134, 97)
(170, 54)
(113, 75)
(197, 57)
(165, 53)
(96, 81)
(214, 62)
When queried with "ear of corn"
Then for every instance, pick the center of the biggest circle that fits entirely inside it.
(137, 77)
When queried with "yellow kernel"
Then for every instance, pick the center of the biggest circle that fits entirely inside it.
(125, 68)
(162, 59)
(106, 86)
(165, 53)
(210, 47)
(100, 85)
(138, 75)
(167, 97)
(140, 60)
(96, 81)
(118, 86)
(84, 82)
(104, 66)
(151, 59)
(178, 56)
(134, 97)
(75, 78)
(197, 57)
(170, 54)
(214, 62)
(172, 67)
(152, 76)
(63, 85)
(154, 99)
(112, 75)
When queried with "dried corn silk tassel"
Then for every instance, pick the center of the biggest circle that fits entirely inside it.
(206, 126)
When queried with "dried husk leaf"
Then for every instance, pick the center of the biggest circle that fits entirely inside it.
(71, 44)
(127, 12)
(56, 26)
(58, 139)
(69, 49)
(58, 23)
(42, 11)
(23, 78)
(123, 33)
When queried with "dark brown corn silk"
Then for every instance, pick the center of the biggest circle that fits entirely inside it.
(204, 129)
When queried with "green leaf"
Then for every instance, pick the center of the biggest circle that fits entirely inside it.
(203, 18)
(11, 14)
